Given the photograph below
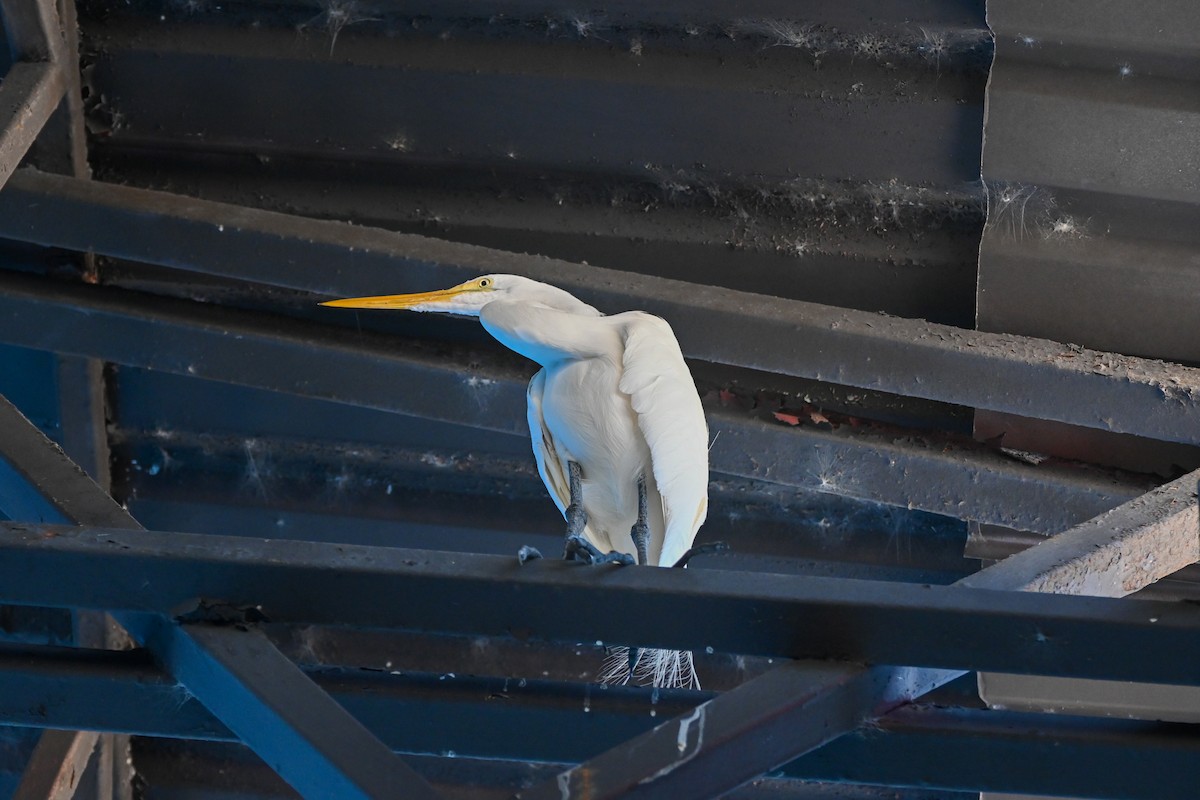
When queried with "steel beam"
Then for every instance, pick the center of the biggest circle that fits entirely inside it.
(56, 766)
(34, 84)
(750, 613)
(311, 741)
(216, 666)
(947, 748)
(1111, 555)
(32, 29)
(290, 356)
(28, 96)
(82, 416)
(990, 543)
(1034, 753)
(725, 742)
(1026, 376)
(42, 485)
(62, 148)
(1161, 537)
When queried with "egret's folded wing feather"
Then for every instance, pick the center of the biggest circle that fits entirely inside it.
(549, 464)
(670, 416)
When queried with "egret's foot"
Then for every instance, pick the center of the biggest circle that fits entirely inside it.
(700, 550)
(527, 553)
(580, 549)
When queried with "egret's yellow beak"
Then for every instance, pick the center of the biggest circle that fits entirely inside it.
(398, 300)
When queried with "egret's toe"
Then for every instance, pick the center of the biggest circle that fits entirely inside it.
(527, 553)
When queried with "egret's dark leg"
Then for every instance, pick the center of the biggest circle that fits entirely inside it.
(635, 655)
(641, 540)
(578, 548)
(641, 530)
(699, 550)
(576, 516)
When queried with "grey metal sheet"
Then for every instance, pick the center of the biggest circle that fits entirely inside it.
(734, 113)
(1091, 154)
(909, 251)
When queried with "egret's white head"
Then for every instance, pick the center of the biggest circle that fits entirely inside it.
(469, 298)
(466, 299)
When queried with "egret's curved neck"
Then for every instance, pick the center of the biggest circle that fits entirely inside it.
(548, 335)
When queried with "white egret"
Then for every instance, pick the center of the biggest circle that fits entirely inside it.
(618, 430)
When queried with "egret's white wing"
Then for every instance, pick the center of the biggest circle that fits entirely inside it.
(670, 416)
(549, 465)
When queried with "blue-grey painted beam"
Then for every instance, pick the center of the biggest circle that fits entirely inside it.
(308, 739)
(733, 612)
(1026, 376)
(946, 748)
(40, 484)
(29, 95)
(727, 741)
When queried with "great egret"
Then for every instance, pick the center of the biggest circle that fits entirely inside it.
(618, 430)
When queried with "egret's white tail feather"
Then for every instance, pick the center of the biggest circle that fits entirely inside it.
(670, 669)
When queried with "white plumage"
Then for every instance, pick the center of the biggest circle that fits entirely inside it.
(614, 396)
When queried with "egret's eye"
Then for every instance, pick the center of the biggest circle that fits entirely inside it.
(485, 283)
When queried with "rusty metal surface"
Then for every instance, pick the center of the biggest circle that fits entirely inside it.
(56, 766)
(28, 96)
(1114, 554)
(32, 30)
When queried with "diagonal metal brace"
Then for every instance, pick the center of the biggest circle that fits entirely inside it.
(311, 741)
